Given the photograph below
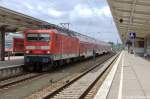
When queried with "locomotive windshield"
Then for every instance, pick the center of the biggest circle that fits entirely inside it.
(38, 37)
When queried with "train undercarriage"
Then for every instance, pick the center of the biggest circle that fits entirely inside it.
(45, 63)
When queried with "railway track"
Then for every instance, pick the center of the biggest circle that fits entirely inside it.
(79, 87)
(67, 75)
(56, 88)
(5, 84)
(15, 80)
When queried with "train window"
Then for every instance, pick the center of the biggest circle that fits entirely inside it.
(44, 37)
(32, 37)
(38, 37)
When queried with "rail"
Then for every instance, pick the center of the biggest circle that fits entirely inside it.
(81, 85)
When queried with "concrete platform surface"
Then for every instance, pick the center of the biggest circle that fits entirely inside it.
(14, 57)
(14, 60)
(131, 80)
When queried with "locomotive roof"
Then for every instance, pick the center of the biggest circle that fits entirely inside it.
(66, 31)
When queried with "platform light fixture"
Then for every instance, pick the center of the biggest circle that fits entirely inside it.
(121, 20)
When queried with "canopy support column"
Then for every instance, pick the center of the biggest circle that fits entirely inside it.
(2, 43)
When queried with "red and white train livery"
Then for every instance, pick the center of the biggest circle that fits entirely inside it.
(45, 48)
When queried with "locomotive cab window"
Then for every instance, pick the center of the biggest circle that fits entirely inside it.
(32, 37)
(38, 37)
(44, 37)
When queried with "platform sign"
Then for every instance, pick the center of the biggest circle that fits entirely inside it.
(132, 35)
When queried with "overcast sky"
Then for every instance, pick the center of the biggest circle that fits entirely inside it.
(89, 17)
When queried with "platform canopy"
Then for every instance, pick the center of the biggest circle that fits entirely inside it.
(131, 16)
(17, 21)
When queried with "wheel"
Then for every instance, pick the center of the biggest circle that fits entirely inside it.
(28, 68)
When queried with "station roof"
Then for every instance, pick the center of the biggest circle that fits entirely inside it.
(17, 21)
(14, 21)
(131, 16)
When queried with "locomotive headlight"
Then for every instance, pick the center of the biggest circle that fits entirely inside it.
(48, 52)
(27, 52)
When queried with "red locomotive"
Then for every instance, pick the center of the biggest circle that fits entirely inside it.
(45, 48)
(18, 45)
(14, 46)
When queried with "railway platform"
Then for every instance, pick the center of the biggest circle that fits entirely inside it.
(128, 79)
(11, 67)
(14, 60)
